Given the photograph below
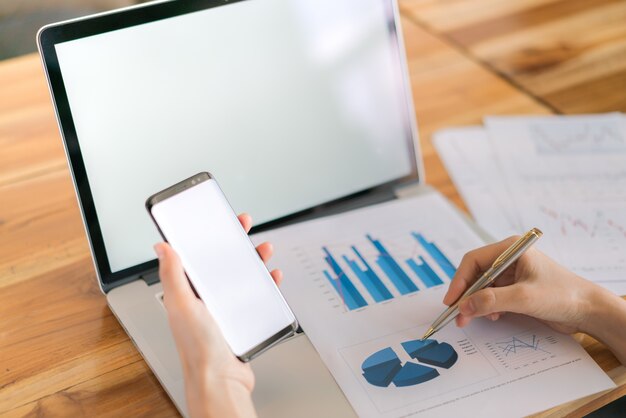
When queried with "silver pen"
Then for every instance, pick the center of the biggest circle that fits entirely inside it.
(503, 262)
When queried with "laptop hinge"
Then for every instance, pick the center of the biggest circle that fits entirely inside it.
(150, 277)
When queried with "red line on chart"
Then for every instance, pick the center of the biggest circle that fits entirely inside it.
(620, 228)
(567, 220)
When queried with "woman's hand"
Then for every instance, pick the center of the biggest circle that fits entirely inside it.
(537, 286)
(216, 382)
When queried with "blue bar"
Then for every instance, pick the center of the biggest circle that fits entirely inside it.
(433, 276)
(399, 284)
(424, 272)
(392, 269)
(358, 254)
(346, 297)
(420, 273)
(373, 276)
(350, 294)
(436, 254)
(372, 283)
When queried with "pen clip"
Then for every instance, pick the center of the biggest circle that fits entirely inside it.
(533, 233)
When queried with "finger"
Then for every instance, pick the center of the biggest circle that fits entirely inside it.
(246, 221)
(472, 265)
(462, 320)
(175, 284)
(277, 275)
(265, 250)
(514, 298)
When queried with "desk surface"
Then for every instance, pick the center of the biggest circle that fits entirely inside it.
(63, 352)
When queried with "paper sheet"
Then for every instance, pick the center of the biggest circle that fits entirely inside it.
(567, 176)
(365, 285)
(512, 183)
(470, 161)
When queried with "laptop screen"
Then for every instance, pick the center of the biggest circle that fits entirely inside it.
(289, 104)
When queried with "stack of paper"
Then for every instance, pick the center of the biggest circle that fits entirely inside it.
(563, 174)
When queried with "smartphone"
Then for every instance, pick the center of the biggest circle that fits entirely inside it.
(222, 265)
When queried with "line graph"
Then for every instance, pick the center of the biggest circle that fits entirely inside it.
(570, 223)
(514, 345)
(616, 226)
(569, 138)
(523, 350)
(572, 231)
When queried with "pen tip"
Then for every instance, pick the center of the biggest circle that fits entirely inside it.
(428, 333)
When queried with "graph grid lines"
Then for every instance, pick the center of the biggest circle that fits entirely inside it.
(520, 351)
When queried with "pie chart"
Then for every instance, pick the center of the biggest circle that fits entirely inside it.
(384, 367)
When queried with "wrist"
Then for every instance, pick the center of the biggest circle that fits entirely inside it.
(605, 320)
(596, 308)
(216, 396)
(590, 306)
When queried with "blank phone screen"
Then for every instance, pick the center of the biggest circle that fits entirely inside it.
(223, 265)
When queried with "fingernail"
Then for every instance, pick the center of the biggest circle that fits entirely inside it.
(467, 307)
(158, 250)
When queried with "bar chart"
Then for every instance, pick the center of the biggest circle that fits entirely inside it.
(381, 271)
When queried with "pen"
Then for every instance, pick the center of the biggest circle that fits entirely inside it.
(507, 258)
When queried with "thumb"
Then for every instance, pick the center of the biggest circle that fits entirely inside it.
(512, 298)
(176, 288)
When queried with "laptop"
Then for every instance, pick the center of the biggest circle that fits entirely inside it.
(299, 108)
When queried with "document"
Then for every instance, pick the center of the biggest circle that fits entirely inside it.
(366, 284)
(471, 162)
(565, 175)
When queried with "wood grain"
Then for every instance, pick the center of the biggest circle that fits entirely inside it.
(570, 54)
(451, 90)
(62, 352)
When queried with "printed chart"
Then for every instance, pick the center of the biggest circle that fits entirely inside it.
(573, 138)
(384, 367)
(573, 231)
(523, 350)
(397, 370)
(372, 272)
(392, 269)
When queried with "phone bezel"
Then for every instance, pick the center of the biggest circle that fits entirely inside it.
(180, 187)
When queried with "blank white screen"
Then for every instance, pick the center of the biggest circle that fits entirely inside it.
(223, 266)
(288, 103)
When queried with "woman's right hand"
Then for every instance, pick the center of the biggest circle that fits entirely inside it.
(537, 286)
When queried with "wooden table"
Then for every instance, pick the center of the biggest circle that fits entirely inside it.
(61, 350)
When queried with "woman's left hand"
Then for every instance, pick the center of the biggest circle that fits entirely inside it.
(216, 382)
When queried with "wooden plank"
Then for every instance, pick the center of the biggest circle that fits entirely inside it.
(126, 391)
(451, 90)
(27, 122)
(540, 14)
(443, 15)
(40, 225)
(569, 53)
